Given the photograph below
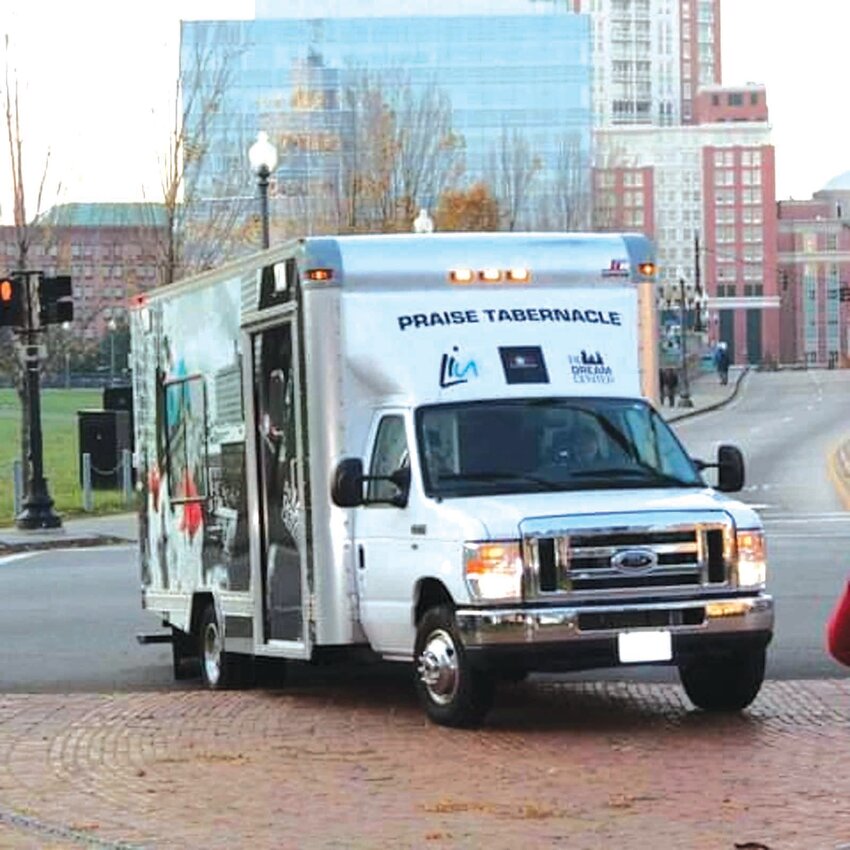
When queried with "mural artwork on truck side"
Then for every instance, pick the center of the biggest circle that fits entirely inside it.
(195, 533)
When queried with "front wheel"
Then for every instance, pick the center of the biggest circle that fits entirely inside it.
(724, 683)
(450, 689)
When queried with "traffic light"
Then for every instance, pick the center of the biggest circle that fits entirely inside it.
(12, 300)
(55, 300)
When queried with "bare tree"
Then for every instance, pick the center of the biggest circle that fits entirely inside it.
(570, 190)
(399, 152)
(514, 167)
(24, 232)
(204, 212)
(426, 149)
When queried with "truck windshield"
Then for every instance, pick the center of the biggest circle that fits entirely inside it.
(536, 445)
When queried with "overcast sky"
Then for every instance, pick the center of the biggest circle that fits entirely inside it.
(97, 87)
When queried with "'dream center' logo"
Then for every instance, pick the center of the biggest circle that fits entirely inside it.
(590, 369)
(452, 372)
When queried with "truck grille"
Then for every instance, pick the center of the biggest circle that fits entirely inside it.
(617, 560)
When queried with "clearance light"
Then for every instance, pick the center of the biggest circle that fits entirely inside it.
(6, 290)
(519, 275)
(461, 276)
(490, 275)
(715, 610)
(320, 274)
(647, 269)
(752, 567)
(493, 570)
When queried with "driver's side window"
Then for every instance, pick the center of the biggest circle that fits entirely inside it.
(390, 454)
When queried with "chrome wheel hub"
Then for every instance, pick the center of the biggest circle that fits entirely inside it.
(437, 667)
(212, 653)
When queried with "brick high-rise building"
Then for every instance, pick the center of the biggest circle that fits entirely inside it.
(813, 270)
(711, 184)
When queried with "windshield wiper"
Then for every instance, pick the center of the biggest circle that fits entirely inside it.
(500, 476)
(647, 475)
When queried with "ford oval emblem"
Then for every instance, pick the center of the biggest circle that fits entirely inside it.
(634, 560)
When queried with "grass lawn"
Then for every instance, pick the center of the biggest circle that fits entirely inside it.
(61, 450)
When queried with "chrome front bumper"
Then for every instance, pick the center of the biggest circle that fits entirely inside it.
(543, 627)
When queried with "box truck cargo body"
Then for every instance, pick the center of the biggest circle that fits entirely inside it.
(441, 449)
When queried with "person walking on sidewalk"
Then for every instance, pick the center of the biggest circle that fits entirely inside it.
(721, 363)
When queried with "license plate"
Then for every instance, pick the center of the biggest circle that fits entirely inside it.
(637, 647)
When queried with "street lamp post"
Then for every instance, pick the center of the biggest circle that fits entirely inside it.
(263, 158)
(685, 399)
(37, 509)
(66, 327)
(112, 326)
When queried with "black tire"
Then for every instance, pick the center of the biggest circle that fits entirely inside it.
(184, 655)
(724, 683)
(220, 670)
(514, 676)
(450, 689)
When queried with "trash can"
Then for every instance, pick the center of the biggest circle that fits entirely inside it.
(104, 434)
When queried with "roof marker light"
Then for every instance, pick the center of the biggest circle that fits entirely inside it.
(519, 275)
(490, 275)
(461, 276)
(320, 274)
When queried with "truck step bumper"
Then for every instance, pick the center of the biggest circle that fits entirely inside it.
(539, 627)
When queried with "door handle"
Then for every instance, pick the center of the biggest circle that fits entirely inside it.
(361, 557)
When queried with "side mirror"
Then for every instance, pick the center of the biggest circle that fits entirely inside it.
(730, 469)
(401, 479)
(347, 484)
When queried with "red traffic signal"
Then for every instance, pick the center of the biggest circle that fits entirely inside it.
(12, 295)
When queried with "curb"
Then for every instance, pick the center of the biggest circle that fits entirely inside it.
(717, 405)
(66, 543)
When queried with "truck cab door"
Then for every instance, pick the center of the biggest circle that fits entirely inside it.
(386, 558)
(276, 453)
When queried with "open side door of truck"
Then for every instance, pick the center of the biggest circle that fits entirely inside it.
(277, 478)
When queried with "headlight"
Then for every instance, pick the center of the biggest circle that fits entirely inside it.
(752, 566)
(493, 570)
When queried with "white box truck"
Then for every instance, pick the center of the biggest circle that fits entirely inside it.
(440, 449)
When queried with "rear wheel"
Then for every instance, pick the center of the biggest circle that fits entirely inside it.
(724, 683)
(220, 670)
(450, 689)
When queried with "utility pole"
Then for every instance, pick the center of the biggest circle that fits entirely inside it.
(685, 399)
(38, 506)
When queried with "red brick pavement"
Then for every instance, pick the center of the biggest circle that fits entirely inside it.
(353, 764)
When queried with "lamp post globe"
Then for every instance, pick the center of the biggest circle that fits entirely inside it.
(262, 156)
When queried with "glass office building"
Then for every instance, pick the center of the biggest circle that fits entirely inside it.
(374, 117)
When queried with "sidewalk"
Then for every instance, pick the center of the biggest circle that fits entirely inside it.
(707, 394)
(77, 532)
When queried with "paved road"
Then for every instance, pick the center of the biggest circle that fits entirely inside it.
(787, 425)
(68, 621)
